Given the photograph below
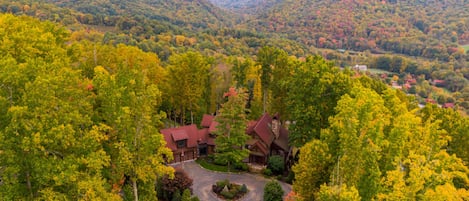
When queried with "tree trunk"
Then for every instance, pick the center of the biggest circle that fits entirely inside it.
(134, 185)
(183, 116)
(265, 99)
(28, 183)
(192, 116)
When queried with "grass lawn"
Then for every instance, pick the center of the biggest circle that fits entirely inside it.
(465, 47)
(207, 164)
(379, 71)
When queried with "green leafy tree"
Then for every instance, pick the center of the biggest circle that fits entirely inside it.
(50, 147)
(312, 169)
(274, 69)
(188, 75)
(273, 191)
(332, 193)
(276, 164)
(126, 101)
(359, 125)
(239, 70)
(231, 135)
(177, 196)
(425, 167)
(186, 195)
(456, 126)
(310, 80)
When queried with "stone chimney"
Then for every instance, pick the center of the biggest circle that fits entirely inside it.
(276, 127)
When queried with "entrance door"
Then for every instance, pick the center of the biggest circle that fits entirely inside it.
(203, 150)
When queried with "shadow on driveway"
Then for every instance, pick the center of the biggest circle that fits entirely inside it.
(204, 179)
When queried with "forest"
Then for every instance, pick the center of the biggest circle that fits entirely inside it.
(384, 36)
(85, 89)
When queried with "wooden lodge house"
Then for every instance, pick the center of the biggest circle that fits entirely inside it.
(268, 137)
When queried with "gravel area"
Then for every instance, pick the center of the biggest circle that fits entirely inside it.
(204, 179)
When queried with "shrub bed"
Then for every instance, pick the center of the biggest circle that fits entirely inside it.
(229, 191)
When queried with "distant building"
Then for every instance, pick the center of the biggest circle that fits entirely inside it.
(439, 83)
(360, 67)
(448, 105)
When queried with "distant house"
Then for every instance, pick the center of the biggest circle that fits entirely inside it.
(448, 105)
(188, 142)
(395, 85)
(411, 81)
(439, 83)
(430, 101)
(360, 67)
(268, 137)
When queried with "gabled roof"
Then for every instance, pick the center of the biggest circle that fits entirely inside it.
(213, 127)
(250, 128)
(282, 140)
(204, 137)
(179, 135)
(261, 147)
(206, 120)
(263, 129)
(189, 133)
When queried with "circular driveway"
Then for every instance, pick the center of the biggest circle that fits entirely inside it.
(204, 179)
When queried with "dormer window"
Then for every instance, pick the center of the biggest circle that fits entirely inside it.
(181, 143)
(180, 137)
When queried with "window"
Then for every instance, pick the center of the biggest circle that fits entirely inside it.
(181, 143)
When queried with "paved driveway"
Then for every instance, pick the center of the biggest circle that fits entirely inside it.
(204, 179)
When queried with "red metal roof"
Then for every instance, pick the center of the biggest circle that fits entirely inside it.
(171, 135)
(204, 137)
(213, 127)
(179, 135)
(251, 126)
(282, 140)
(262, 147)
(206, 120)
(263, 129)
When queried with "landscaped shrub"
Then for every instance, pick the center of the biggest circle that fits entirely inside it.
(186, 195)
(217, 189)
(241, 166)
(180, 183)
(243, 189)
(273, 191)
(176, 196)
(279, 177)
(229, 190)
(220, 161)
(267, 172)
(276, 164)
(290, 177)
(223, 183)
(195, 198)
(228, 194)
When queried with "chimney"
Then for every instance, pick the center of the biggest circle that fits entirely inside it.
(276, 127)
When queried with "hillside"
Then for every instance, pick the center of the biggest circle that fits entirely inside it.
(198, 13)
(163, 27)
(246, 6)
(432, 29)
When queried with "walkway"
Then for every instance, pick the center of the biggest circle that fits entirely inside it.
(204, 179)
